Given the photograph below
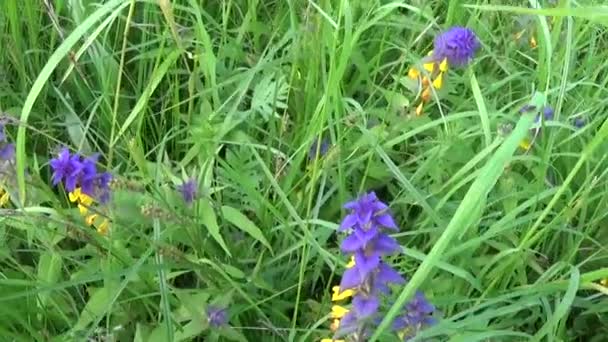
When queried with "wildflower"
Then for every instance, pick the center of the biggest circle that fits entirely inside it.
(456, 47)
(84, 184)
(4, 197)
(418, 314)
(321, 149)
(548, 113)
(7, 152)
(369, 276)
(579, 122)
(189, 190)
(216, 316)
(76, 171)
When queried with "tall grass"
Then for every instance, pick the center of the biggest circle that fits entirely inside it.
(508, 244)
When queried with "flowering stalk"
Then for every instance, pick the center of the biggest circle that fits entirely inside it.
(455, 47)
(369, 276)
(84, 183)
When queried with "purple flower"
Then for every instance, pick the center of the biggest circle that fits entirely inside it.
(548, 113)
(216, 316)
(2, 133)
(66, 168)
(458, 45)
(189, 190)
(418, 314)
(75, 171)
(579, 122)
(7, 152)
(367, 242)
(323, 148)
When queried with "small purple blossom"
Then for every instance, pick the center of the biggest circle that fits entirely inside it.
(322, 149)
(527, 108)
(418, 314)
(458, 45)
(216, 316)
(579, 122)
(189, 190)
(66, 168)
(548, 113)
(7, 152)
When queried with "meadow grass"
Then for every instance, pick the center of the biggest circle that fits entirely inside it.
(509, 244)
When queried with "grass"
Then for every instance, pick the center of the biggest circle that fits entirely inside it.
(508, 244)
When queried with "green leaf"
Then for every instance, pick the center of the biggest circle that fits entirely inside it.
(95, 307)
(210, 221)
(49, 271)
(243, 223)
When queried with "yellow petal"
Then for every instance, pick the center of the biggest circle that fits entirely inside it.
(533, 43)
(90, 219)
(74, 195)
(104, 227)
(429, 66)
(83, 209)
(338, 311)
(335, 325)
(525, 144)
(604, 282)
(519, 34)
(4, 199)
(426, 94)
(419, 109)
(85, 199)
(351, 262)
(430, 53)
(443, 66)
(331, 340)
(413, 73)
(438, 82)
(425, 81)
(337, 295)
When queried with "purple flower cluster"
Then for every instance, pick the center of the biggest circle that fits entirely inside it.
(216, 316)
(189, 190)
(75, 170)
(7, 150)
(458, 45)
(418, 314)
(370, 276)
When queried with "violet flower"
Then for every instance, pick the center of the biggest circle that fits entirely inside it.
(216, 316)
(458, 45)
(370, 276)
(418, 314)
(189, 190)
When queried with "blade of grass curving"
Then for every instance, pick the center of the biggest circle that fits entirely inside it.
(460, 221)
(483, 110)
(56, 58)
(562, 307)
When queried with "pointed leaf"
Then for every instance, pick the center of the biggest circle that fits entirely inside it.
(243, 223)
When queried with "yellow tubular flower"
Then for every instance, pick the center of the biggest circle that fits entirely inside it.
(533, 43)
(413, 73)
(90, 219)
(438, 82)
(331, 340)
(604, 282)
(419, 109)
(430, 67)
(525, 144)
(426, 94)
(4, 198)
(338, 311)
(351, 262)
(443, 66)
(104, 227)
(337, 295)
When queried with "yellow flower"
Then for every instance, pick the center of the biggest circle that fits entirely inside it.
(338, 311)
(419, 109)
(351, 262)
(413, 73)
(525, 144)
(438, 82)
(84, 200)
(443, 66)
(103, 227)
(337, 295)
(90, 219)
(331, 340)
(430, 67)
(4, 198)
